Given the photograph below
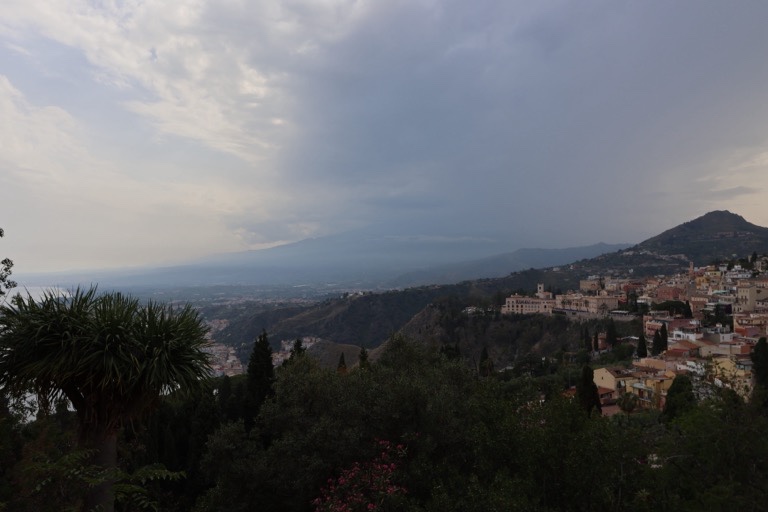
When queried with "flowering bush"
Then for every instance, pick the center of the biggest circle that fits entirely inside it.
(365, 486)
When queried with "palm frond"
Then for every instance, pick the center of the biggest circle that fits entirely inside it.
(107, 353)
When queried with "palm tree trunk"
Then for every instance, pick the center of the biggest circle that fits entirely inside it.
(101, 497)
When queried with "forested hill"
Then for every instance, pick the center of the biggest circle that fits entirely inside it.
(506, 340)
(715, 236)
(369, 319)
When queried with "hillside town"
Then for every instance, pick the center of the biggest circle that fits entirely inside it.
(722, 311)
(714, 317)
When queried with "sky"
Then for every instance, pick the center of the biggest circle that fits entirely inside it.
(150, 132)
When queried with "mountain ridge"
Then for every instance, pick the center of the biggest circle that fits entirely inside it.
(368, 320)
(714, 235)
(383, 263)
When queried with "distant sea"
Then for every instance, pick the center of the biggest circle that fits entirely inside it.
(36, 292)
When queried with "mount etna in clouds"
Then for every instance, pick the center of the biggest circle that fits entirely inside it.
(372, 260)
(359, 259)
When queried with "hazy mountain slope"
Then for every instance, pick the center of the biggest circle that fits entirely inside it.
(714, 236)
(356, 260)
(503, 264)
(328, 354)
(363, 320)
(360, 257)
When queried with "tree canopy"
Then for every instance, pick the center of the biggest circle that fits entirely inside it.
(110, 356)
(680, 398)
(587, 392)
(5, 272)
(658, 344)
(260, 377)
(417, 430)
(760, 362)
(642, 346)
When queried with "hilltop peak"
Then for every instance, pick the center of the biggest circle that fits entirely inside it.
(713, 236)
(721, 218)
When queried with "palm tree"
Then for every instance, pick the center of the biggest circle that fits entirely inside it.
(110, 356)
(627, 402)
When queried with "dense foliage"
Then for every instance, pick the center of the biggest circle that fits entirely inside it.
(417, 430)
(106, 356)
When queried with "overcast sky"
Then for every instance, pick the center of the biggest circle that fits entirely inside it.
(150, 132)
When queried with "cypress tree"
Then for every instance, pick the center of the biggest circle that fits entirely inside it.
(596, 341)
(341, 368)
(760, 362)
(297, 350)
(656, 349)
(260, 377)
(362, 359)
(586, 391)
(759, 356)
(664, 337)
(642, 346)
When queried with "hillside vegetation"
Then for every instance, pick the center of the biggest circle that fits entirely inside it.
(507, 339)
(367, 320)
(413, 431)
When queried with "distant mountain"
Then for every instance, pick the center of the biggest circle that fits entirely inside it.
(360, 260)
(714, 236)
(502, 264)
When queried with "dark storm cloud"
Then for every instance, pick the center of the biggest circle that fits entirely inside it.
(510, 109)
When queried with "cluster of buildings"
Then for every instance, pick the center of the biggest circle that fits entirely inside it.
(738, 291)
(715, 355)
(649, 379)
(224, 360)
(286, 346)
(588, 301)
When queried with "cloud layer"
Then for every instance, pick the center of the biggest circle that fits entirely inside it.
(146, 132)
